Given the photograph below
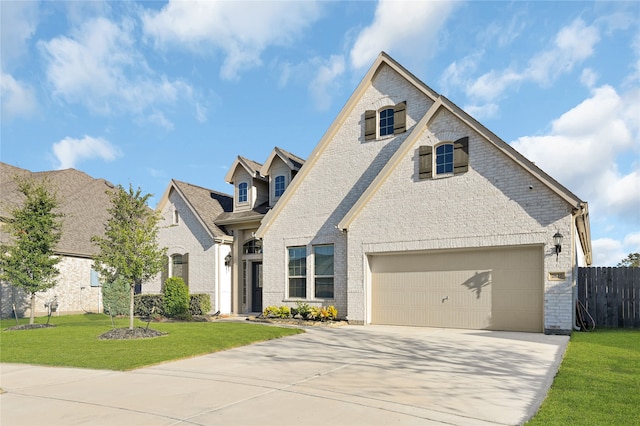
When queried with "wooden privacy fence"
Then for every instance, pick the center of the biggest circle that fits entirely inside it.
(611, 296)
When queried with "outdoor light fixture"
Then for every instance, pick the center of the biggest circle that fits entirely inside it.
(227, 259)
(557, 241)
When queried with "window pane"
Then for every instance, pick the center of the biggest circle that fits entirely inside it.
(324, 288)
(242, 193)
(444, 159)
(298, 287)
(323, 259)
(386, 122)
(297, 261)
(279, 186)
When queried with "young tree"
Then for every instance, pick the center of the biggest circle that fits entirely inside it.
(632, 260)
(129, 248)
(29, 262)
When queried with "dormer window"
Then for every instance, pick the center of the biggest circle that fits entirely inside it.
(279, 185)
(390, 120)
(242, 192)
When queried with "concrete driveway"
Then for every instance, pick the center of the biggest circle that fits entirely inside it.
(352, 375)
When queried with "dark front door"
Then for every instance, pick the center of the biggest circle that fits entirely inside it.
(256, 287)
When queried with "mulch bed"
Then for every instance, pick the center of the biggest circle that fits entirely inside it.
(29, 327)
(298, 322)
(127, 334)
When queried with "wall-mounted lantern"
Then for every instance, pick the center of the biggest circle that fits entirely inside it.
(227, 260)
(557, 241)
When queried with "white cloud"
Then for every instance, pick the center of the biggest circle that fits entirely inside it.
(19, 20)
(242, 30)
(70, 151)
(607, 252)
(18, 99)
(324, 81)
(583, 151)
(632, 242)
(482, 112)
(398, 27)
(588, 77)
(99, 67)
(572, 45)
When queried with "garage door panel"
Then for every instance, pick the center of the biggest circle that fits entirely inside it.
(499, 289)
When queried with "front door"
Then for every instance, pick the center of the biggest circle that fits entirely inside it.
(256, 286)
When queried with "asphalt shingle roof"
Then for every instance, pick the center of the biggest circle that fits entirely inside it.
(207, 204)
(83, 201)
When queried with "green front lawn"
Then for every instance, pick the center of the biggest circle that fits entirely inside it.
(598, 382)
(74, 341)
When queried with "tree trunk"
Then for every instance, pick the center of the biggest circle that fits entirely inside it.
(131, 293)
(33, 308)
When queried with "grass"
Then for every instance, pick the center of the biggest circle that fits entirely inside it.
(598, 382)
(74, 341)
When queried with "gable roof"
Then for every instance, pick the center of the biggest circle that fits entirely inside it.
(580, 207)
(252, 167)
(292, 161)
(83, 201)
(205, 204)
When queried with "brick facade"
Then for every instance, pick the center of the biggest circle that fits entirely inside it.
(73, 292)
(496, 203)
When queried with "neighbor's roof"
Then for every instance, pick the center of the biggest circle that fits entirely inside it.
(205, 203)
(83, 201)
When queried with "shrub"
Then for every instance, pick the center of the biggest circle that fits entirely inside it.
(144, 303)
(270, 312)
(176, 297)
(199, 304)
(332, 312)
(115, 297)
(302, 309)
(284, 312)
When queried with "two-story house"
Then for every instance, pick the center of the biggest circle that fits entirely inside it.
(411, 212)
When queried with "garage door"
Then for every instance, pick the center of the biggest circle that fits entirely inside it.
(492, 289)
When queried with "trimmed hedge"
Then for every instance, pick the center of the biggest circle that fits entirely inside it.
(199, 304)
(143, 303)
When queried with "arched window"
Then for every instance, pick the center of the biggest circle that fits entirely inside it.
(444, 159)
(242, 192)
(386, 122)
(180, 267)
(279, 185)
(252, 247)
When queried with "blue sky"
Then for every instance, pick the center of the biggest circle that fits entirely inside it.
(142, 92)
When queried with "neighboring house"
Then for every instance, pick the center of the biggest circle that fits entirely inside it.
(197, 248)
(84, 203)
(257, 188)
(410, 212)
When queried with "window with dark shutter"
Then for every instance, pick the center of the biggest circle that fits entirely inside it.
(425, 155)
(369, 125)
(400, 118)
(461, 156)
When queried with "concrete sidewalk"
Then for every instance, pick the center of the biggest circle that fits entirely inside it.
(352, 375)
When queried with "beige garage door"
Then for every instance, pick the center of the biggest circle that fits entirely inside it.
(492, 289)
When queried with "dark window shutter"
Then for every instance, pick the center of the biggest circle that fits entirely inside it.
(369, 125)
(185, 268)
(425, 154)
(461, 156)
(165, 272)
(400, 118)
